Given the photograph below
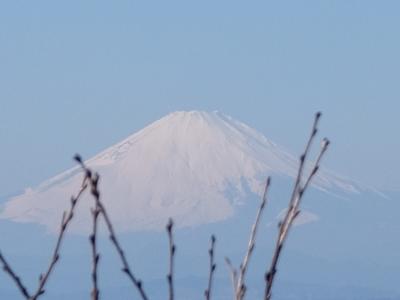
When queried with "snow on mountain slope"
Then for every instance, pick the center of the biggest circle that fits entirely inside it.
(181, 166)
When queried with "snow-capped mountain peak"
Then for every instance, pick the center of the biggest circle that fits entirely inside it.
(181, 166)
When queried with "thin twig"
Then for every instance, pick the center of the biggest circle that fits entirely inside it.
(126, 268)
(95, 255)
(324, 147)
(172, 250)
(241, 287)
(43, 278)
(7, 268)
(293, 209)
(94, 181)
(213, 266)
(233, 273)
(303, 158)
(66, 219)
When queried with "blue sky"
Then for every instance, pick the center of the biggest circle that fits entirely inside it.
(78, 76)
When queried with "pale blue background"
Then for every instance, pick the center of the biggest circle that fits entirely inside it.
(78, 76)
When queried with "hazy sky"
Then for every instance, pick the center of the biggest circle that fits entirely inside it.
(78, 76)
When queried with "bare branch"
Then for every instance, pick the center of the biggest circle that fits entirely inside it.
(66, 219)
(293, 209)
(233, 273)
(172, 250)
(303, 159)
(43, 278)
(95, 255)
(7, 268)
(93, 180)
(213, 266)
(324, 146)
(241, 287)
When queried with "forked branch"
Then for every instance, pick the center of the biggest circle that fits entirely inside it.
(43, 278)
(65, 221)
(293, 210)
(93, 179)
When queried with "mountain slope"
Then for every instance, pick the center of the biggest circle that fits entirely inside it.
(195, 167)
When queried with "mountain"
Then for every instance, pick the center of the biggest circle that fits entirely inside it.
(196, 167)
(207, 171)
